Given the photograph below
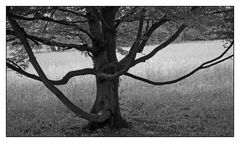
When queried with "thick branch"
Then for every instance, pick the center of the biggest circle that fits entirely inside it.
(205, 65)
(64, 80)
(69, 75)
(160, 47)
(102, 116)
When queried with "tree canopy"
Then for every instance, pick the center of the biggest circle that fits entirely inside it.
(67, 27)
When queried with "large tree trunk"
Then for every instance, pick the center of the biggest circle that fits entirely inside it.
(100, 23)
(107, 99)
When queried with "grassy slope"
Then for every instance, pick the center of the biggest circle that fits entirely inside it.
(201, 105)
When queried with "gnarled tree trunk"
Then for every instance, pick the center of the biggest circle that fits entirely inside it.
(107, 99)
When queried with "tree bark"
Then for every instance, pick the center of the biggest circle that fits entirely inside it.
(107, 97)
(100, 22)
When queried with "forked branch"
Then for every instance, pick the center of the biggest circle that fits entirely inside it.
(143, 39)
(160, 47)
(140, 42)
(130, 57)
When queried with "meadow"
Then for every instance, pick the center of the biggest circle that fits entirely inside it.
(201, 105)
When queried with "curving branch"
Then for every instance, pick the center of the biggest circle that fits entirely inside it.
(69, 75)
(64, 80)
(205, 65)
(224, 52)
(100, 117)
(21, 71)
(160, 47)
(212, 64)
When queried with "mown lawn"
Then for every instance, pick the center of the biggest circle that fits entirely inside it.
(201, 105)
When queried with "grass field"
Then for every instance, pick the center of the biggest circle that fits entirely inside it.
(201, 105)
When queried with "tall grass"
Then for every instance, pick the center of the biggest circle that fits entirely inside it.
(201, 105)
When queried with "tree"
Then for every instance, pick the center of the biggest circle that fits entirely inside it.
(94, 31)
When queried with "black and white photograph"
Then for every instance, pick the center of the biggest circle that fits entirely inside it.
(119, 71)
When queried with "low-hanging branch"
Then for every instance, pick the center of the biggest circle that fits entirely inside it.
(100, 117)
(64, 80)
(22, 72)
(178, 79)
(205, 65)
